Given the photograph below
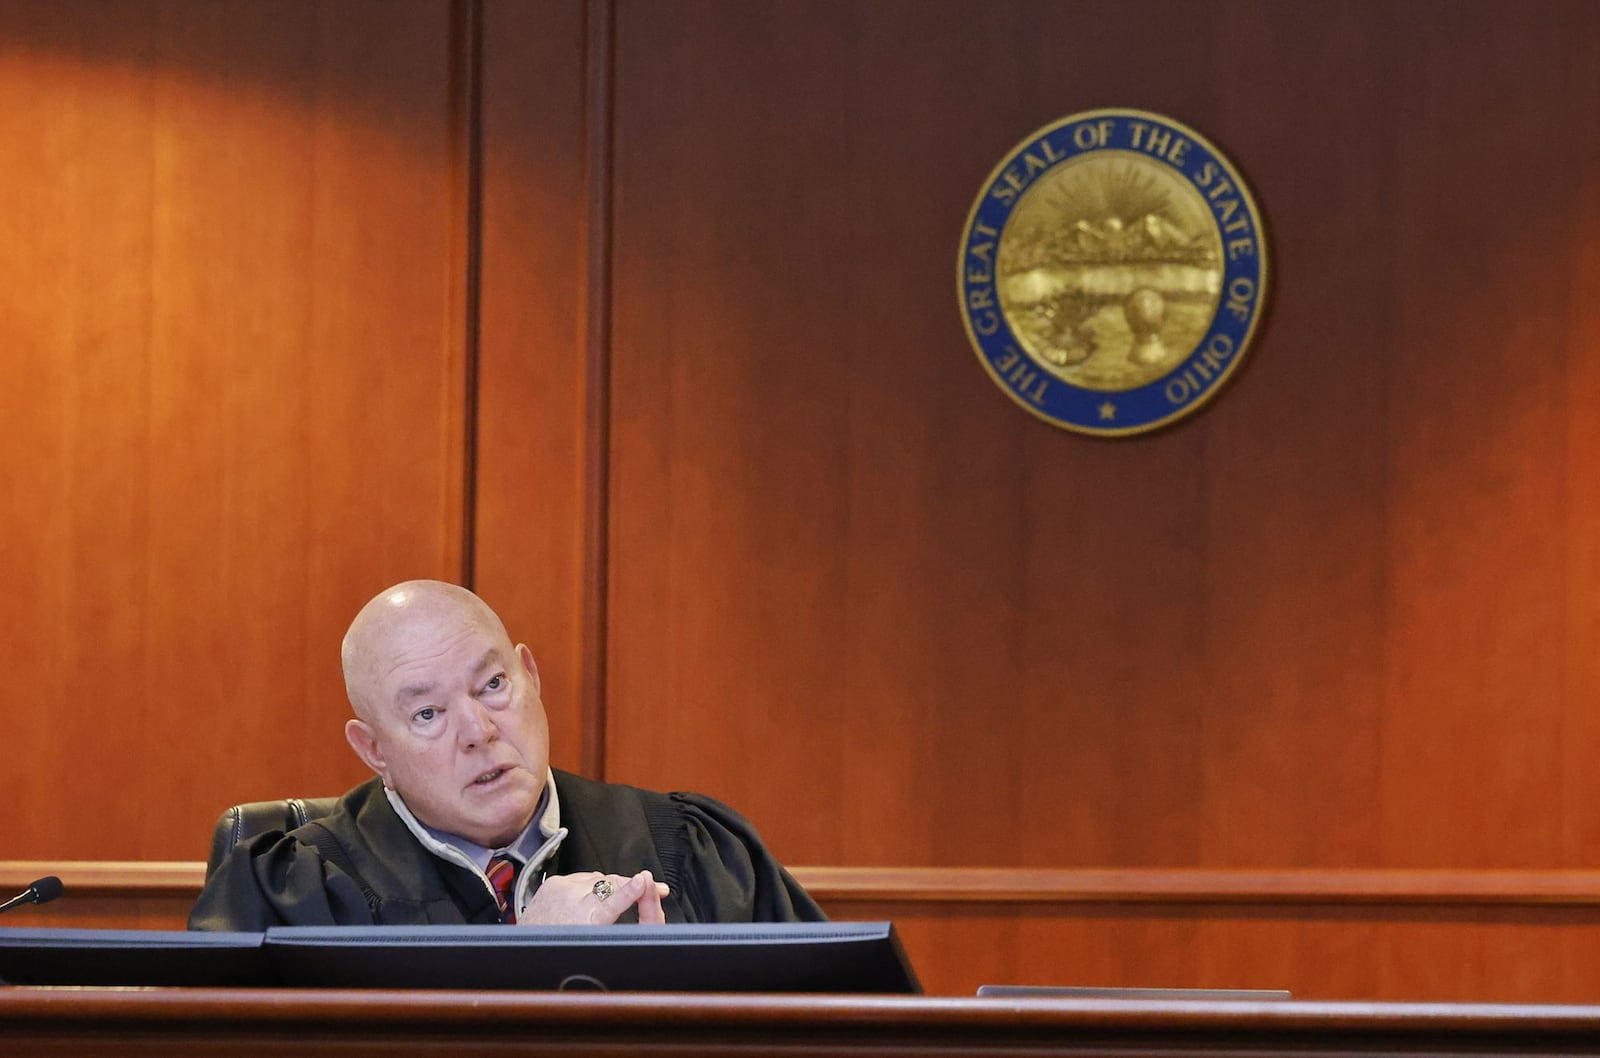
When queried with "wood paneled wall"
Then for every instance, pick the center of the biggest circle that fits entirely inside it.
(234, 395)
(1347, 616)
(640, 317)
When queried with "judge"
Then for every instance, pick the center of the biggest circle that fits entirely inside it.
(466, 822)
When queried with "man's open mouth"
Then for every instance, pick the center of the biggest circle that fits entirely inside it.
(489, 776)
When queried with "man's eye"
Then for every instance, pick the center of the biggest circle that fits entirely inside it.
(422, 716)
(496, 683)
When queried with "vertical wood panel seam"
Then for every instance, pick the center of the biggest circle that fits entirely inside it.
(466, 146)
(596, 308)
(1385, 541)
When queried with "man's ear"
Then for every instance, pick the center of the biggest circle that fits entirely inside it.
(365, 743)
(527, 664)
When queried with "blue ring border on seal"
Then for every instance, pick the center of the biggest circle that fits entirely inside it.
(1190, 384)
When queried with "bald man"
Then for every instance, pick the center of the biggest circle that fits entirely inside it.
(466, 822)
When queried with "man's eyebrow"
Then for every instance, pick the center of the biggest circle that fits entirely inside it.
(418, 690)
(490, 657)
(415, 690)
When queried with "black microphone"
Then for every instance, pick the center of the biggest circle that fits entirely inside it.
(41, 892)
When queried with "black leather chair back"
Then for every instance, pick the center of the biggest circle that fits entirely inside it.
(242, 822)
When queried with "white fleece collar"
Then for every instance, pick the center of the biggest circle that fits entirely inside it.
(533, 847)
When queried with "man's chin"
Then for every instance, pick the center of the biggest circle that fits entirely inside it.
(505, 815)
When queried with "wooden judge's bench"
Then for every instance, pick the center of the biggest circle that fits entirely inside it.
(241, 1022)
(1548, 923)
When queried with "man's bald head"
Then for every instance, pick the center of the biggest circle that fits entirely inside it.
(447, 710)
(396, 615)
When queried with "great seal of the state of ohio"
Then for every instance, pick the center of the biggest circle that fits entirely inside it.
(1112, 272)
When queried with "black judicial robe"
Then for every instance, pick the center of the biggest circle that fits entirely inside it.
(362, 866)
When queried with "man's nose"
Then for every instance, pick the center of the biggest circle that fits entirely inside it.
(477, 724)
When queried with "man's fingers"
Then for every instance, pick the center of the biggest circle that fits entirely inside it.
(650, 893)
(572, 898)
(625, 892)
(566, 899)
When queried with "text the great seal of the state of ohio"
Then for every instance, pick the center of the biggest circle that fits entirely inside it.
(1112, 272)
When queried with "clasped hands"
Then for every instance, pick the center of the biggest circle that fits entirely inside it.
(572, 900)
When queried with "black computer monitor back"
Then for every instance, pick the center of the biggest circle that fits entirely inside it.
(131, 957)
(783, 957)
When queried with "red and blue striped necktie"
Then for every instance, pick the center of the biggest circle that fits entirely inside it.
(502, 874)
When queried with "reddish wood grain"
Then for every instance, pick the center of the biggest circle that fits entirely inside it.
(1475, 550)
(263, 1022)
(226, 280)
(531, 486)
(1346, 616)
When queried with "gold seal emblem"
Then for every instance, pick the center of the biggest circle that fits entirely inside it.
(1112, 272)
